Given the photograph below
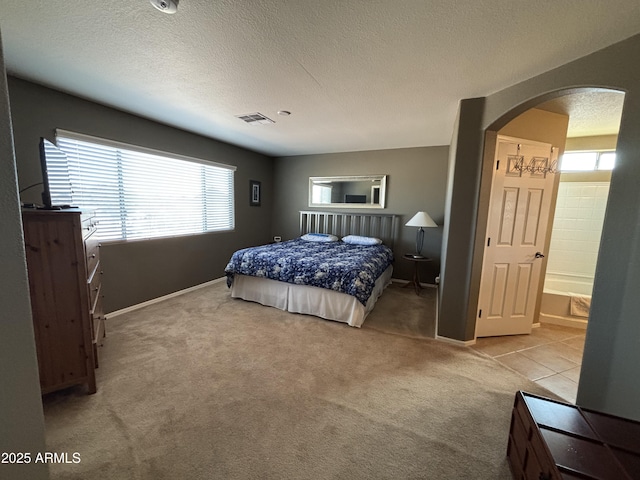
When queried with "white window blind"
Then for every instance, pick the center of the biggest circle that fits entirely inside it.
(141, 193)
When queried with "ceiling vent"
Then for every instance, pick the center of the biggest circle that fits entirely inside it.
(255, 119)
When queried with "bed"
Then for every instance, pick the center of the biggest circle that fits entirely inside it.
(333, 280)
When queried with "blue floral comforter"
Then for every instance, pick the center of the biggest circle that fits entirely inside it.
(346, 268)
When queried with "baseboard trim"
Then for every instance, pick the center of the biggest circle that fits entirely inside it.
(164, 297)
(461, 343)
(563, 321)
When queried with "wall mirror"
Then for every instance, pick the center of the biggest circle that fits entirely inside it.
(359, 191)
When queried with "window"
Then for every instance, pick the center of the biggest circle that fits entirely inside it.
(587, 161)
(606, 160)
(579, 161)
(321, 194)
(142, 193)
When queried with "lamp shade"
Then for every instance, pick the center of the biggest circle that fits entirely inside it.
(421, 219)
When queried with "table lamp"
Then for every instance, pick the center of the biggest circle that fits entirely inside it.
(421, 220)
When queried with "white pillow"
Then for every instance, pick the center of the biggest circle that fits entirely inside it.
(358, 240)
(319, 237)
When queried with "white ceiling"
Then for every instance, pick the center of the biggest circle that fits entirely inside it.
(356, 74)
(590, 112)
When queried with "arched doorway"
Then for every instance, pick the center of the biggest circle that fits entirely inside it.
(550, 355)
(611, 352)
(577, 113)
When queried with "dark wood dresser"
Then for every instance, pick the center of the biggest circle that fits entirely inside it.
(551, 440)
(63, 265)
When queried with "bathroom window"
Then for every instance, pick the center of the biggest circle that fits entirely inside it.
(606, 160)
(587, 161)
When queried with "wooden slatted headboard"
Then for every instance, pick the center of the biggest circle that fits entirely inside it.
(382, 226)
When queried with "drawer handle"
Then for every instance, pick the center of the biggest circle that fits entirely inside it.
(93, 255)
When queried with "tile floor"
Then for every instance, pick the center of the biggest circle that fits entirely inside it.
(550, 356)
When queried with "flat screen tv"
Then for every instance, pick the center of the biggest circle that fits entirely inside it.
(355, 198)
(49, 154)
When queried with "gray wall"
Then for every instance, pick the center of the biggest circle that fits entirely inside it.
(461, 214)
(137, 271)
(611, 360)
(21, 418)
(416, 181)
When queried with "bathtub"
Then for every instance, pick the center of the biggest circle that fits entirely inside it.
(568, 283)
(555, 307)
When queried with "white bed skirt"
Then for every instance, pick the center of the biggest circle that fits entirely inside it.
(320, 302)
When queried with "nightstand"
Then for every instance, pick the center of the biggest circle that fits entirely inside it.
(417, 260)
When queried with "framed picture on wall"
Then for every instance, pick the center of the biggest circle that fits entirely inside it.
(254, 193)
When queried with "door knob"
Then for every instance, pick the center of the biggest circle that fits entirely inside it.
(539, 255)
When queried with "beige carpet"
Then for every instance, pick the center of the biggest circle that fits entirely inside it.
(400, 311)
(203, 386)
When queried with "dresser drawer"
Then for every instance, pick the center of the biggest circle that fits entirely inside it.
(88, 222)
(546, 468)
(92, 251)
(97, 326)
(532, 467)
(518, 438)
(95, 282)
(97, 316)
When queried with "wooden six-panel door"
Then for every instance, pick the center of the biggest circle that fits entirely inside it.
(516, 234)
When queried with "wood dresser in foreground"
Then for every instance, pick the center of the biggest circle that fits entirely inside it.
(63, 265)
(551, 440)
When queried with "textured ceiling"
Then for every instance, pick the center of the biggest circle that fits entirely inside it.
(356, 74)
(590, 113)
